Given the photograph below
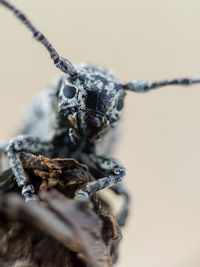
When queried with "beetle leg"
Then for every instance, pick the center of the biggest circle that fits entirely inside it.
(15, 147)
(114, 173)
(120, 189)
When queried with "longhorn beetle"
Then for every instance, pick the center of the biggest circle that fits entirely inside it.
(68, 120)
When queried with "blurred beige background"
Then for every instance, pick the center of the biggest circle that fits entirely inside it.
(160, 143)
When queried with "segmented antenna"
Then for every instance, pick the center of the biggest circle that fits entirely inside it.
(144, 86)
(60, 62)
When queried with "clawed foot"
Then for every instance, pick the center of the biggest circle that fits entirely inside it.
(29, 193)
(83, 196)
(29, 197)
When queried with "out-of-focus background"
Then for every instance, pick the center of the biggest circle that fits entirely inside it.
(159, 143)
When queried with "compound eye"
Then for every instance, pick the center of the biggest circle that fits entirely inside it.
(69, 91)
(119, 104)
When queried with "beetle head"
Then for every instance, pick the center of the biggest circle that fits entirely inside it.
(91, 101)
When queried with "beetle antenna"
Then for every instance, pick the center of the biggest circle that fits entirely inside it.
(144, 86)
(60, 62)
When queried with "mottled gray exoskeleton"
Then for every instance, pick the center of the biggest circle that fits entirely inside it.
(69, 119)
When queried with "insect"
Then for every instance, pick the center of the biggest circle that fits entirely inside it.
(76, 117)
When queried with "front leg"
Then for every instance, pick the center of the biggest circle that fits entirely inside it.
(114, 173)
(15, 147)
